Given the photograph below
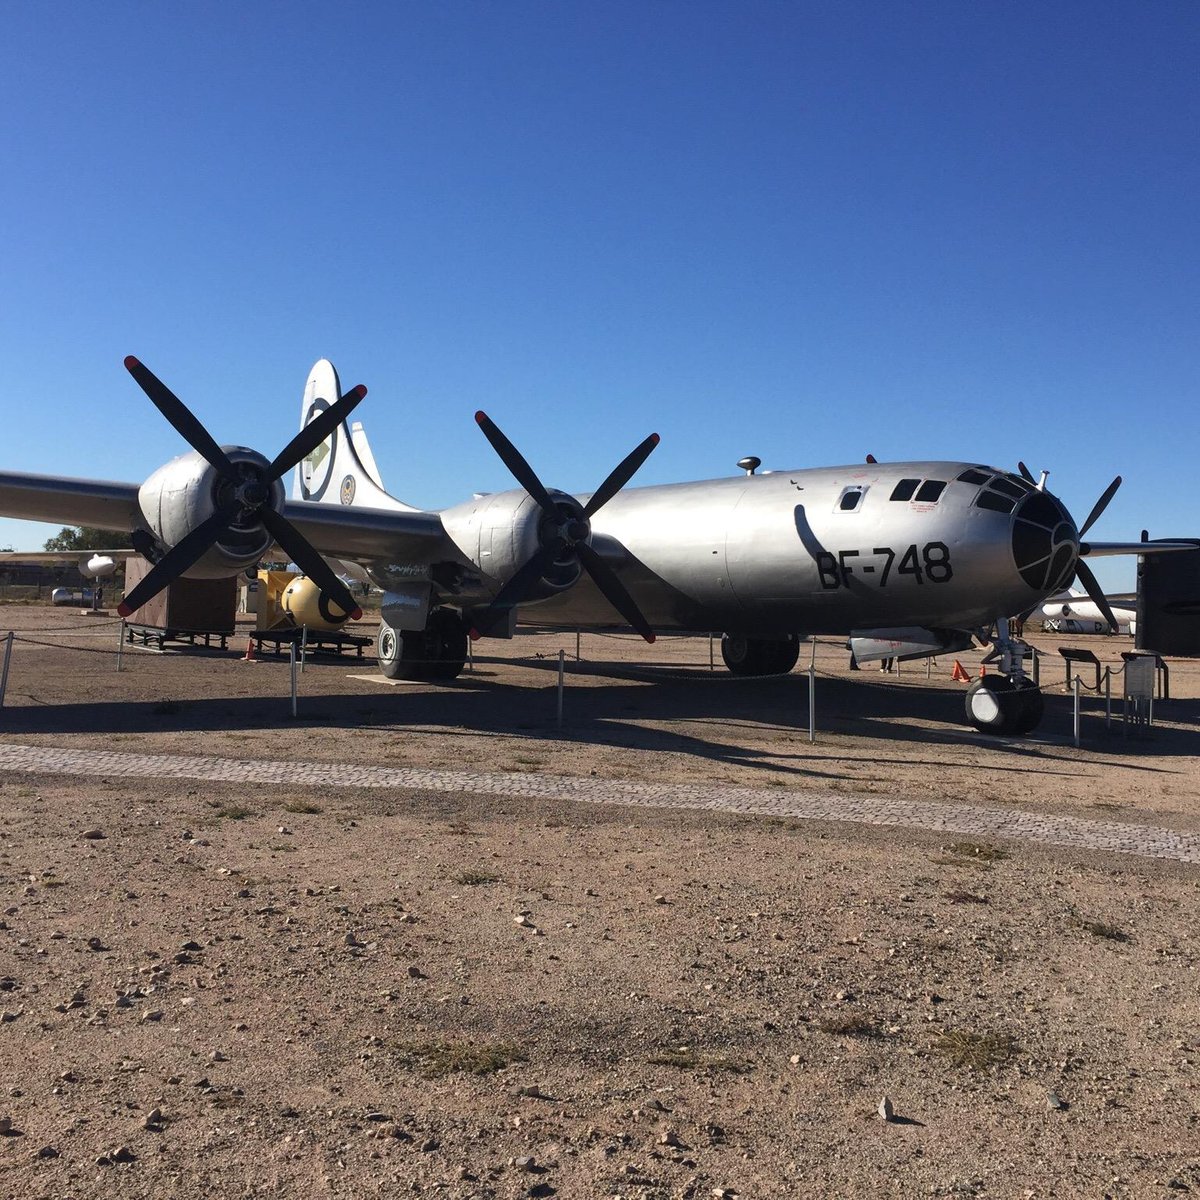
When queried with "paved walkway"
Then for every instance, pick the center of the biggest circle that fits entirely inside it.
(1148, 841)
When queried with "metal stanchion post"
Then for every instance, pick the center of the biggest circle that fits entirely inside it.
(577, 645)
(711, 661)
(812, 693)
(303, 647)
(8, 645)
(1075, 686)
(470, 654)
(1107, 699)
(292, 652)
(928, 668)
(561, 660)
(120, 642)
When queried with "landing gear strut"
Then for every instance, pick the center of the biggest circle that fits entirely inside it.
(439, 651)
(1008, 703)
(759, 656)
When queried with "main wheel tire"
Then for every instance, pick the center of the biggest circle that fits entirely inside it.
(995, 704)
(759, 656)
(439, 651)
(398, 653)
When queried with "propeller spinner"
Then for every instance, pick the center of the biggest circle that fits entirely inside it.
(563, 532)
(243, 495)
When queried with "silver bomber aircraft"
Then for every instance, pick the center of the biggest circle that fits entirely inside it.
(903, 559)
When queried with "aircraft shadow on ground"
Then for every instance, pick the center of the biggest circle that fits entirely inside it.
(773, 709)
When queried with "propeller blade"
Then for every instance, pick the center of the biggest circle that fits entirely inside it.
(621, 474)
(513, 592)
(309, 560)
(1092, 586)
(513, 460)
(1026, 473)
(179, 416)
(1100, 505)
(315, 432)
(614, 590)
(177, 560)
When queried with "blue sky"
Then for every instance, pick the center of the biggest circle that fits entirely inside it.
(803, 231)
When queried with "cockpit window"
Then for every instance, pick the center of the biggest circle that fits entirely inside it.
(994, 502)
(971, 475)
(851, 498)
(1008, 487)
(930, 491)
(904, 489)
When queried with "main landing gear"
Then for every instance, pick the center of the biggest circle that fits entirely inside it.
(437, 652)
(1010, 702)
(759, 656)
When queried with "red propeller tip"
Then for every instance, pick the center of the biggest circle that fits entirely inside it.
(480, 417)
(475, 634)
(655, 439)
(652, 639)
(131, 362)
(356, 615)
(360, 391)
(123, 610)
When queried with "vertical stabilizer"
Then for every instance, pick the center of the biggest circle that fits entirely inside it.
(342, 469)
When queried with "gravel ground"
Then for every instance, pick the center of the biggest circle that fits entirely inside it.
(328, 984)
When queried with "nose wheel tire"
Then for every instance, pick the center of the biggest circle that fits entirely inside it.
(997, 704)
(759, 656)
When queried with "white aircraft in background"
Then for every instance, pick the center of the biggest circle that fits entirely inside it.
(906, 559)
(1074, 612)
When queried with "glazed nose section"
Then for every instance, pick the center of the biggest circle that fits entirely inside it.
(1045, 542)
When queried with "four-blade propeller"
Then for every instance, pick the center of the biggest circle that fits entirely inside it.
(563, 532)
(250, 487)
(1091, 584)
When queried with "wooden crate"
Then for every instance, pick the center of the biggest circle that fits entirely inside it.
(195, 605)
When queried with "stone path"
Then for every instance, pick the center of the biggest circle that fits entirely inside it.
(1148, 841)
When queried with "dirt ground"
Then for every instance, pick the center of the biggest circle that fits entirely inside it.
(334, 991)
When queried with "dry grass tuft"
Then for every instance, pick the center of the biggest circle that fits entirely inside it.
(975, 1051)
(1102, 929)
(306, 807)
(434, 1059)
(472, 878)
(958, 896)
(849, 1024)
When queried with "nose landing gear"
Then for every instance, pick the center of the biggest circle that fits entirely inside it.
(1010, 702)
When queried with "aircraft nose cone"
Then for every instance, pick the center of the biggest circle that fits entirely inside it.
(1045, 542)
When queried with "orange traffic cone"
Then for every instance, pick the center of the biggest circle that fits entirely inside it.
(959, 674)
(249, 655)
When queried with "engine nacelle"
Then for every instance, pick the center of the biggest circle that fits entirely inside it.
(306, 604)
(184, 493)
(502, 531)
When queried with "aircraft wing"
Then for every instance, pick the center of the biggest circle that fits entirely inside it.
(372, 534)
(99, 503)
(63, 556)
(360, 534)
(1103, 549)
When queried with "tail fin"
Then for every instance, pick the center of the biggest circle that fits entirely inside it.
(342, 469)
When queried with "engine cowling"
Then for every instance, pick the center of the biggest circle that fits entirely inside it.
(501, 532)
(187, 491)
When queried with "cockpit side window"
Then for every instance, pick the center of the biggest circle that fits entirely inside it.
(971, 475)
(851, 498)
(904, 489)
(930, 491)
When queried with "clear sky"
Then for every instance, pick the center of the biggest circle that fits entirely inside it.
(806, 231)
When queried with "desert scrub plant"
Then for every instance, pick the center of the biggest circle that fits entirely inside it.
(959, 896)
(1102, 929)
(849, 1024)
(436, 1058)
(687, 1059)
(471, 878)
(306, 807)
(976, 1051)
